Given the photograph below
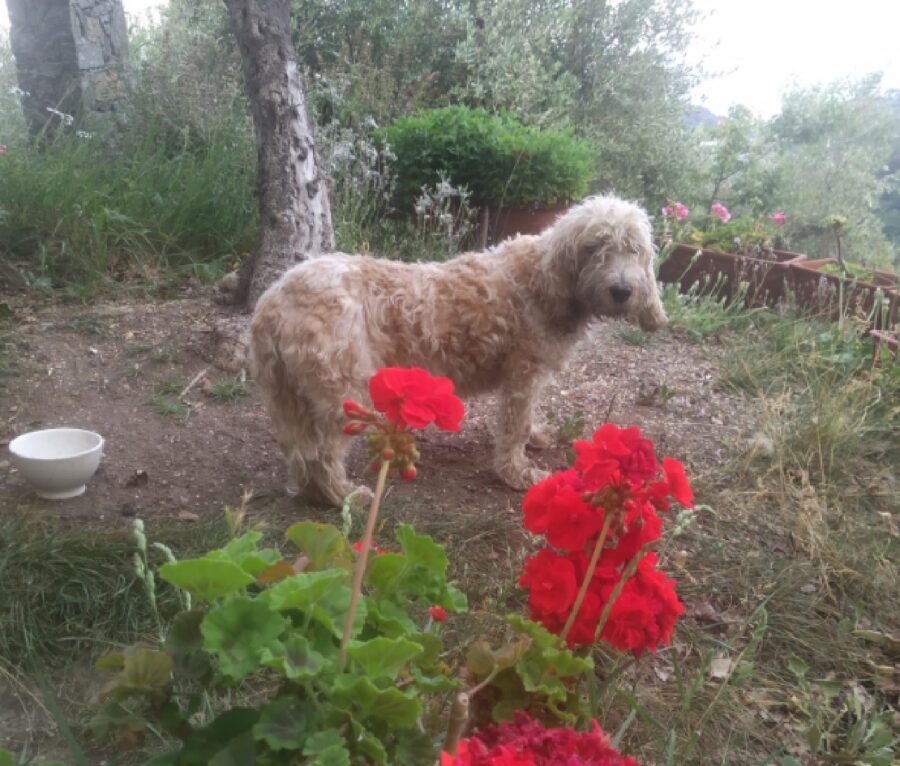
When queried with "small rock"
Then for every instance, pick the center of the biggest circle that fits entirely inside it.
(808, 589)
(188, 516)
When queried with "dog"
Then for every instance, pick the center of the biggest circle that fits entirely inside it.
(500, 320)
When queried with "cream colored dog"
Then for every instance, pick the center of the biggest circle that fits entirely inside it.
(501, 320)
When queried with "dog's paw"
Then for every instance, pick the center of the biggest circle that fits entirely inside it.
(522, 477)
(541, 437)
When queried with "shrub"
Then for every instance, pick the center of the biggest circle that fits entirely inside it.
(496, 157)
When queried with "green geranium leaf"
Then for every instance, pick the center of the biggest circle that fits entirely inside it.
(243, 552)
(295, 659)
(206, 579)
(422, 551)
(359, 694)
(337, 755)
(414, 746)
(388, 618)
(184, 643)
(6, 758)
(184, 634)
(283, 724)
(203, 745)
(480, 658)
(324, 596)
(328, 747)
(456, 599)
(322, 544)
(385, 571)
(384, 657)
(367, 744)
(433, 684)
(238, 631)
(431, 648)
(114, 718)
(147, 669)
(241, 751)
(304, 590)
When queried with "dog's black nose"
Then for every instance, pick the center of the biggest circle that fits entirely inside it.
(620, 293)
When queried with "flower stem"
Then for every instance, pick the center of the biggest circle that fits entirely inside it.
(592, 565)
(362, 561)
(626, 576)
(459, 717)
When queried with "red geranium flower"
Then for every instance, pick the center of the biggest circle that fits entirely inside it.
(679, 486)
(413, 398)
(552, 582)
(525, 742)
(438, 613)
(556, 508)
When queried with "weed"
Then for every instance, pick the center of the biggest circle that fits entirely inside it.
(168, 387)
(169, 408)
(230, 391)
(568, 427)
(635, 337)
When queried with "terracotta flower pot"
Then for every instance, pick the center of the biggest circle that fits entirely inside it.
(506, 222)
(761, 282)
(833, 294)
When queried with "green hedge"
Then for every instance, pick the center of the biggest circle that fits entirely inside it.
(497, 158)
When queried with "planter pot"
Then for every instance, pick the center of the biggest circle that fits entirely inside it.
(727, 275)
(786, 256)
(833, 295)
(506, 222)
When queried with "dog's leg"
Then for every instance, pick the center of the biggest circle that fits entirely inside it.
(514, 429)
(541, 437)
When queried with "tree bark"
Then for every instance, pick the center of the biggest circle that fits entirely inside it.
(295, 212)
(46, 69)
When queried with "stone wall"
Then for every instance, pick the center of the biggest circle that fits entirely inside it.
(101, 47)
(71, 57)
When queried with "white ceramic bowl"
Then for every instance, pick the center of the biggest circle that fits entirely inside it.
(57, 461)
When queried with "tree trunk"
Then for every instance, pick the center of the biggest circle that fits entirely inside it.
(44, 48)
(295, 213)
(71, 58)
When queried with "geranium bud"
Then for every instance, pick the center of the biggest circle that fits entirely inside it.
(355, 428)
(356, 410)
(375, 465)
(408, 473)
(438, 614)
(387, 454)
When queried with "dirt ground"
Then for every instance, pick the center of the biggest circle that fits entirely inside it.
(119, 369)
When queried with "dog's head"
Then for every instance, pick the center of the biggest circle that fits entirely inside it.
(604, 244)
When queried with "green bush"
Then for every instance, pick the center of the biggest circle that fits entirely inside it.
(497, 158)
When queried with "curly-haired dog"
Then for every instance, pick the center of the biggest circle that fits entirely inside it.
(502, 320)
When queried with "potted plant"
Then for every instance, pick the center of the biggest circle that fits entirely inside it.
(726, 257)
(520, 177)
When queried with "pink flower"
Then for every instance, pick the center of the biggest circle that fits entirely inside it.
(720, 211)
(3, 150)
(779, 218)
(677, 211)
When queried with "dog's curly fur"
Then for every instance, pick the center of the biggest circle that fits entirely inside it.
(502, 320)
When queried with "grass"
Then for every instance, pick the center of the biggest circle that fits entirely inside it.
(230, 391)
(129, 209)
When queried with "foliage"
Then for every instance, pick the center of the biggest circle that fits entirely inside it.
(827, 153)
(257, 614)
(499, 160)
(614, 72)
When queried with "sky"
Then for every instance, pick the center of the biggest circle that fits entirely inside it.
(761, 48)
